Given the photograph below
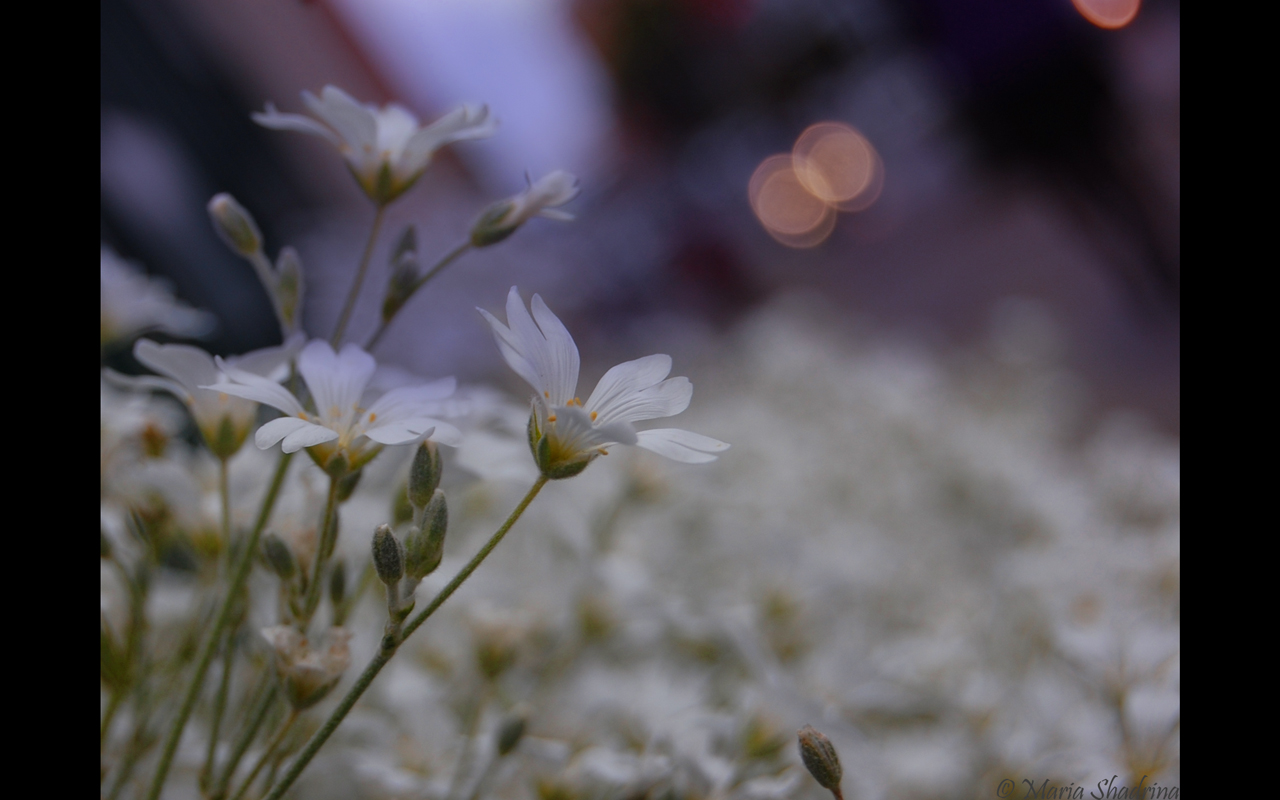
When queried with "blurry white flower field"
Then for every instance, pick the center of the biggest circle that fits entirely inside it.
(910, 557)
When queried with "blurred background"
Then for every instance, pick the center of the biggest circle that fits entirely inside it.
(999, 149)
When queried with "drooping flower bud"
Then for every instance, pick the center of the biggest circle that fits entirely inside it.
(235, 225)
(819, 757)
(424, 546)
(388, 556)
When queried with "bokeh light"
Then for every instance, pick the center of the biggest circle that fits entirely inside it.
(838, 165)
(1108, 14)
(785, 207)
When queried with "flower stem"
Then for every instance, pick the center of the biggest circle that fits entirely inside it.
(445, 260)
(336, 339)
(464, 757)
(224, 490)
(219, 706)
(324, 549)
(214, 633)
(389, 645)
(266, 754)
(261, 705)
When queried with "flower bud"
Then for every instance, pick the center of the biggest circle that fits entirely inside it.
(308, 673)
(234, 224)
(388, 556)
(501, 219)
(819, 757)
(424, 546)
(347, 484)
(279, 556)
(289, 287)
(424, 475)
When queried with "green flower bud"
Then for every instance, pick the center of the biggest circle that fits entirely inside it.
(819, 757)
(388, 556)
(235, 225)
(289, 287)
(347, 484)
(424, 475)
(279, 556)
(424, 546)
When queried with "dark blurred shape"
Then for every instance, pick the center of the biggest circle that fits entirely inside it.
(172, 121)
(678, 64)
(1037, 97)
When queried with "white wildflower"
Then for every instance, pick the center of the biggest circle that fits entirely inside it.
(385, 147)
(223, 420)
(346, 422)
(565, 433)
(539, 199)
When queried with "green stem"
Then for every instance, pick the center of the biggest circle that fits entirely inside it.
(113, 704)
(219, 706)
(261, 705)
(210, 643)
(266, 754)
(324, 549)
(464, 758)
(388, 647)
(224, 489)
(445, 260)
(350, 305)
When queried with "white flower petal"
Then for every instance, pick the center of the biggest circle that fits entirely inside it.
(664, 400)
(189, 366)
(306, 437)
(411, 399)
(268, 360)
(353, 122)
(278, 121)
(146, 382)
(464, 122)
(336, 380)
(627, 378)
(681, 445)
(512, 350)
(562, 353)
(277, 429)
(256, 388)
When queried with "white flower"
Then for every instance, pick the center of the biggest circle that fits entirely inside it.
(384, 147)
(132, 303)
(346, 421)
(223, 420)
(565, 433)
(308, 673)
(539, 199)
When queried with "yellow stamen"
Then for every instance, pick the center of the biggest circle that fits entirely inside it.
(574, 402)
(547, 395)
(373, 417)
(551, 418)
(602, 451)
(302, 415)
(594, 414)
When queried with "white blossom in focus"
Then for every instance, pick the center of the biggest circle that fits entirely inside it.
(565, 433)
(385, 147)
(132, 303)
(346, 421)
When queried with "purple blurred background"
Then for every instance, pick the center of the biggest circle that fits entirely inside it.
(1027, 153)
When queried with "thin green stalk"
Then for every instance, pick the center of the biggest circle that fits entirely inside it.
(266, 754)
(324, 549)
(261, 706)
(219, 706)
(224, 489)
(464, 758)
(388, 647)
(350, 305)
(445, 260)
(210, 644)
